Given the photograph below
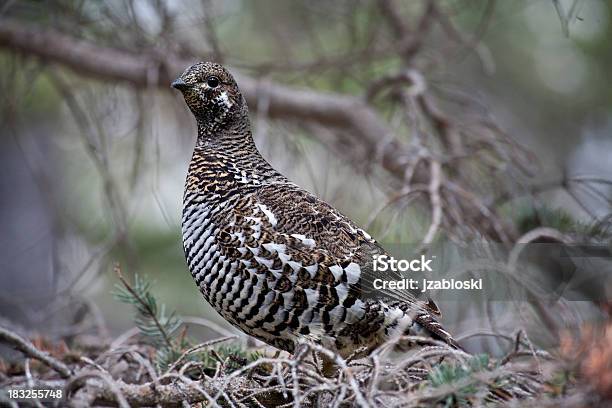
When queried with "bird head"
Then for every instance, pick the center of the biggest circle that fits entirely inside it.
(211, 93)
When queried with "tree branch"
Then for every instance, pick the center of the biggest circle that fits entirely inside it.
(344, 115)
(154, 68)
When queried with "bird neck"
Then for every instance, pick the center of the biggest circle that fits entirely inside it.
(233, 132)
(226, 150)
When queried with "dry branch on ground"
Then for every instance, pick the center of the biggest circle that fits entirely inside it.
(126, 376)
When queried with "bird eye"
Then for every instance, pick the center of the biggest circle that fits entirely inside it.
(213, 81)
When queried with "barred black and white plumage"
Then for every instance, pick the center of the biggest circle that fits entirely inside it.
(270, 257)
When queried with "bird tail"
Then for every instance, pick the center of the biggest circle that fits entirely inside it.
(434, 329)
(518, 385)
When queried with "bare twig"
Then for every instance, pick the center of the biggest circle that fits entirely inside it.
(195, 348)
(28, 349)
(436, 202)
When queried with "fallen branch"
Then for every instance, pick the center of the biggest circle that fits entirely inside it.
(26, 347)
(104, 391)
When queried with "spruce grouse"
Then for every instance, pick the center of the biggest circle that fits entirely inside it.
(270, 257)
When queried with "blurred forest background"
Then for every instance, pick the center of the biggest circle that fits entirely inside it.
(468, 120)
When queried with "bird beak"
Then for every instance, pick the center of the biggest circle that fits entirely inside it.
(180, 85)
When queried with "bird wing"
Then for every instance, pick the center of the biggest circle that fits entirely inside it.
(310, 234)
